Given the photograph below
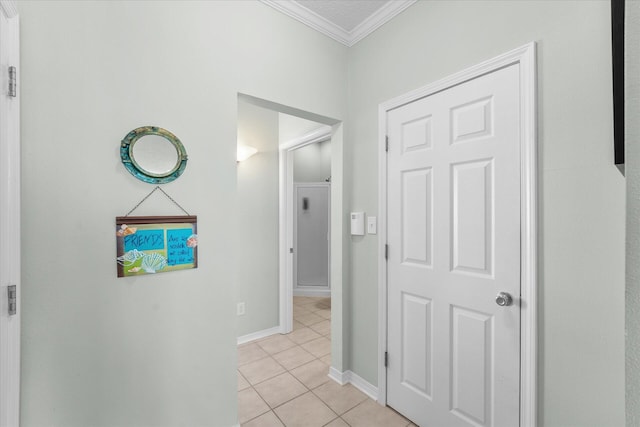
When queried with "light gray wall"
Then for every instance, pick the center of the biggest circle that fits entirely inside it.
(632, 163)
(582, 195)
(161, 350)
(257, 217)
(312, 163)
(155, 350)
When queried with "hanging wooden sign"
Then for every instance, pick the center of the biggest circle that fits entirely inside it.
(156, 244)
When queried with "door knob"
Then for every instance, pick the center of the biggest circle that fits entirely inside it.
(504, 299)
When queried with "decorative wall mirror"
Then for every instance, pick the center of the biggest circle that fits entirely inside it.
(153, 155)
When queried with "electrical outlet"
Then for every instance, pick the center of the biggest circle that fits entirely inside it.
(240, 309)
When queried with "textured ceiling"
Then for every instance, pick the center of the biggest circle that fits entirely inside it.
(347, 14)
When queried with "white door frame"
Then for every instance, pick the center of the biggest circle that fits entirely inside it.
(286, 221)
(526, 59)
(10, 217)
(294, 228)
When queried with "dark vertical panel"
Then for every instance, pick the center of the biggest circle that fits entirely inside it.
(617, 49)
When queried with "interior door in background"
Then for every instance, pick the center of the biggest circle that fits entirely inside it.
(311, 238)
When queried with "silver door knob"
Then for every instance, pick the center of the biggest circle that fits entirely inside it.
(504, 299)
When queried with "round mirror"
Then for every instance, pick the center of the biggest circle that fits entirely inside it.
(153, 155)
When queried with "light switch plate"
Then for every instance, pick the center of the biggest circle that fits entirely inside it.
(372, 225)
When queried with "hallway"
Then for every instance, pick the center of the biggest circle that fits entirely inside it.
(283, 379)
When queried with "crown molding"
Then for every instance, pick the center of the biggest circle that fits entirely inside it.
(310, 18)
(328, 28)
(380, 17)
(9, 8)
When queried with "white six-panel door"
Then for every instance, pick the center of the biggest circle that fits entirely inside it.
(453, 230)
(9, 216)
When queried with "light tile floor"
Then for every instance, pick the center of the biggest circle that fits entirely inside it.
(283, 379)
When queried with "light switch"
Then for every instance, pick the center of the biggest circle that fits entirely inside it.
(372, 225)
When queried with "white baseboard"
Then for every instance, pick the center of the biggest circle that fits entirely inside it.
(326, 293)
(257, 335)
(355, 380)
(364, 386)
(337, 376)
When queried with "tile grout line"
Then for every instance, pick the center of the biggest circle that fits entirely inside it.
(288, 371)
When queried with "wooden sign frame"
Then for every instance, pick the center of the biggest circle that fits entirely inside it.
(155, 244)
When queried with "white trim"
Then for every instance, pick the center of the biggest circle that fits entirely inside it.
(525, 57)
(363, 385)
(318, 135)
(380, 17)
(311, 19)
(286, 261)
(350, 377)
(382, 242)
(310, 292)
(337, 376)
(348, 38)
(529, 238)
(286, 221)
(9, 218)
(258, 335)
(9, 8)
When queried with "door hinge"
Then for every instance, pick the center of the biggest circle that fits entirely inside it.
(13, 299)
(386, 144)
(290, 250)
(386, 359)
(386, 251)
(13, 83)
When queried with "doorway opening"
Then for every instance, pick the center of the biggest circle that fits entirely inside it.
(311, 225)
(305, 195)
(286, 140)
(306, 156)
(290, 232)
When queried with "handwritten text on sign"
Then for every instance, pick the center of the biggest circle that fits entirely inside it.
(177, 250)
(144, 240)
